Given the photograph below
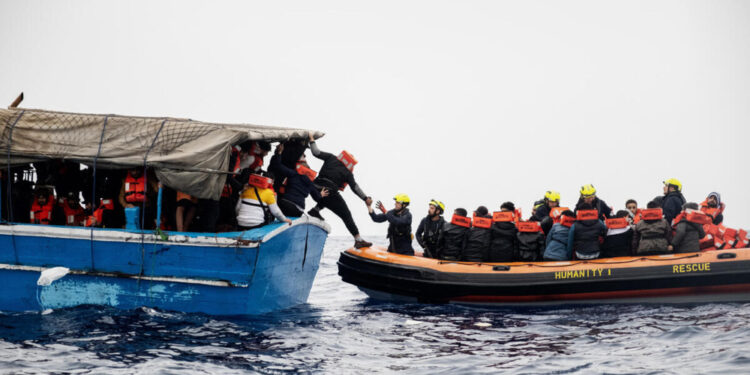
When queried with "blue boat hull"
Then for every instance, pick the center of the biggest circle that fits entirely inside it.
(251, 272)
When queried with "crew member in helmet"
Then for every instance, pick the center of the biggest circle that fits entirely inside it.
(588, 195)
(428, 231)
(399, 224)
(542, 212)
(334, 175)
(673, 199)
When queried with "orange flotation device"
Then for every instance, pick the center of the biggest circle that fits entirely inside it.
(482, 222)
(348, 160)
(587, 215)
(637, 215)
(461, 221)
(617, 223)
(135, 189)
(567, 221)
(260, 181)
(305, 171)
(697, 216)
(652, 214)
(529, 226)
(503, 217)
(556, 212)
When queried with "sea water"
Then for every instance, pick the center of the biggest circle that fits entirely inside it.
(341, 331)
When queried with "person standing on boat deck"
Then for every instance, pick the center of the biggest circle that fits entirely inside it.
(687, 234)
(479, 237)
(399, 224)
(297, 186)
(257, 204)
(428, 231)
(557, 245)
(452, 238)
(584, 236)
(135, 194)
(673, 199)
(619, 239)
(634, 213)
(44, 210)
(714, 207)
(588, 196)
(652, 234)
(503, 242)
(336, 174)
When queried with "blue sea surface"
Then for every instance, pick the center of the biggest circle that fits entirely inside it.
(341, 331)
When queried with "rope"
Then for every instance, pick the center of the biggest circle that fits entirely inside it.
(93, 186)
(10, 187)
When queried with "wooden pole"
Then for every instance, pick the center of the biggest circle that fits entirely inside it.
(16, 102)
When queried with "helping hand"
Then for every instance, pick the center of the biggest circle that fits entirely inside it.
(368, 201)
(324, 192)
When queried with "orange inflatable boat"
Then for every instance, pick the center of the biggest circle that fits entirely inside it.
(709, 276)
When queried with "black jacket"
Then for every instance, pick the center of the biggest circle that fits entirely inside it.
(428, 235)
(540, 213)
(530, 246)
(298, 187)
(618, 245)
(687, 237)
(334, 174)
(604, 210)
(399, 230)
(672, 205)
(451, 241)
(477, 244)
(586, 236)
(503, 244)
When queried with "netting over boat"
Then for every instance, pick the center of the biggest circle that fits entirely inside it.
(187, 155)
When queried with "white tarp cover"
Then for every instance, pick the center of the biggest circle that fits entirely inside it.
(187, 155)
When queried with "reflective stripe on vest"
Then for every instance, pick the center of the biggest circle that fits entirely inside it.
(135, 191)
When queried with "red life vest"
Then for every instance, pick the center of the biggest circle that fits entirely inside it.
(529, 226)
(73, 216)
(482, 222)
(236, 156)
(98, 215)
(696, 216)
(305, 171)
(42, 214)
(652, 214)
(348, 160)
(503, 216)
(742, 239)
(637, 215)
(730, 238)
(461, 221)
(556, 212)
(587, 215)
(567, 221)
(135, 189)
(616, 223)
(260, 181)
(712, 211)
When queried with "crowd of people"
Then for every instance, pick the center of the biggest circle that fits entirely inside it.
(590, 230)
(253, 197)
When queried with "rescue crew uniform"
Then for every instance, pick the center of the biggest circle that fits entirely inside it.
(672, 205)
(605, 211)
(428, 235)
(399, 230)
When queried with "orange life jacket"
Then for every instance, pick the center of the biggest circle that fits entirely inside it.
(135, 189)
(260, 181)
(73, 216)
(730, 238)
(637, 215)
(652, 214)
(556, 212)
(587, 215)
(503, 216)
(348, 160)
(743, 241)
(529, 226)
(461, 221)
(696, 216)
(236, 156)
(305, 171)
(712, 211)
(567, 221)
(616, 223)
(482, 222)
(42, 214)
(98, 215)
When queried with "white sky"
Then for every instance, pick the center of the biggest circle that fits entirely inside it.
(469, 102)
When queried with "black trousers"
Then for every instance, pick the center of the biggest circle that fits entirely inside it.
(288, 208)
(335, 202)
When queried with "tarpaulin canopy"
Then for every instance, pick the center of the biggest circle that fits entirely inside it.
(190, 156)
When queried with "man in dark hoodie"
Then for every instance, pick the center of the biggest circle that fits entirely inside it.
(652, 234)
(503, 243)
(452, 238)
(687, 234)
(428, 231)
(619, 237)
(673, 199)
(531, 241)
(478, 238)
(399, 224)
(296, 187)
(585, 233)
(588, 196)
(335, 175)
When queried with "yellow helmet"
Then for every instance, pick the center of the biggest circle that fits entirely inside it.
(437, 204)
(674, 182)
(588, 190)
(402, 198)
(552, 196)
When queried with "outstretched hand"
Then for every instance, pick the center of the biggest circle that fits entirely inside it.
(368, 201)
(324, 192)
(380, 206)
(288, 221)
